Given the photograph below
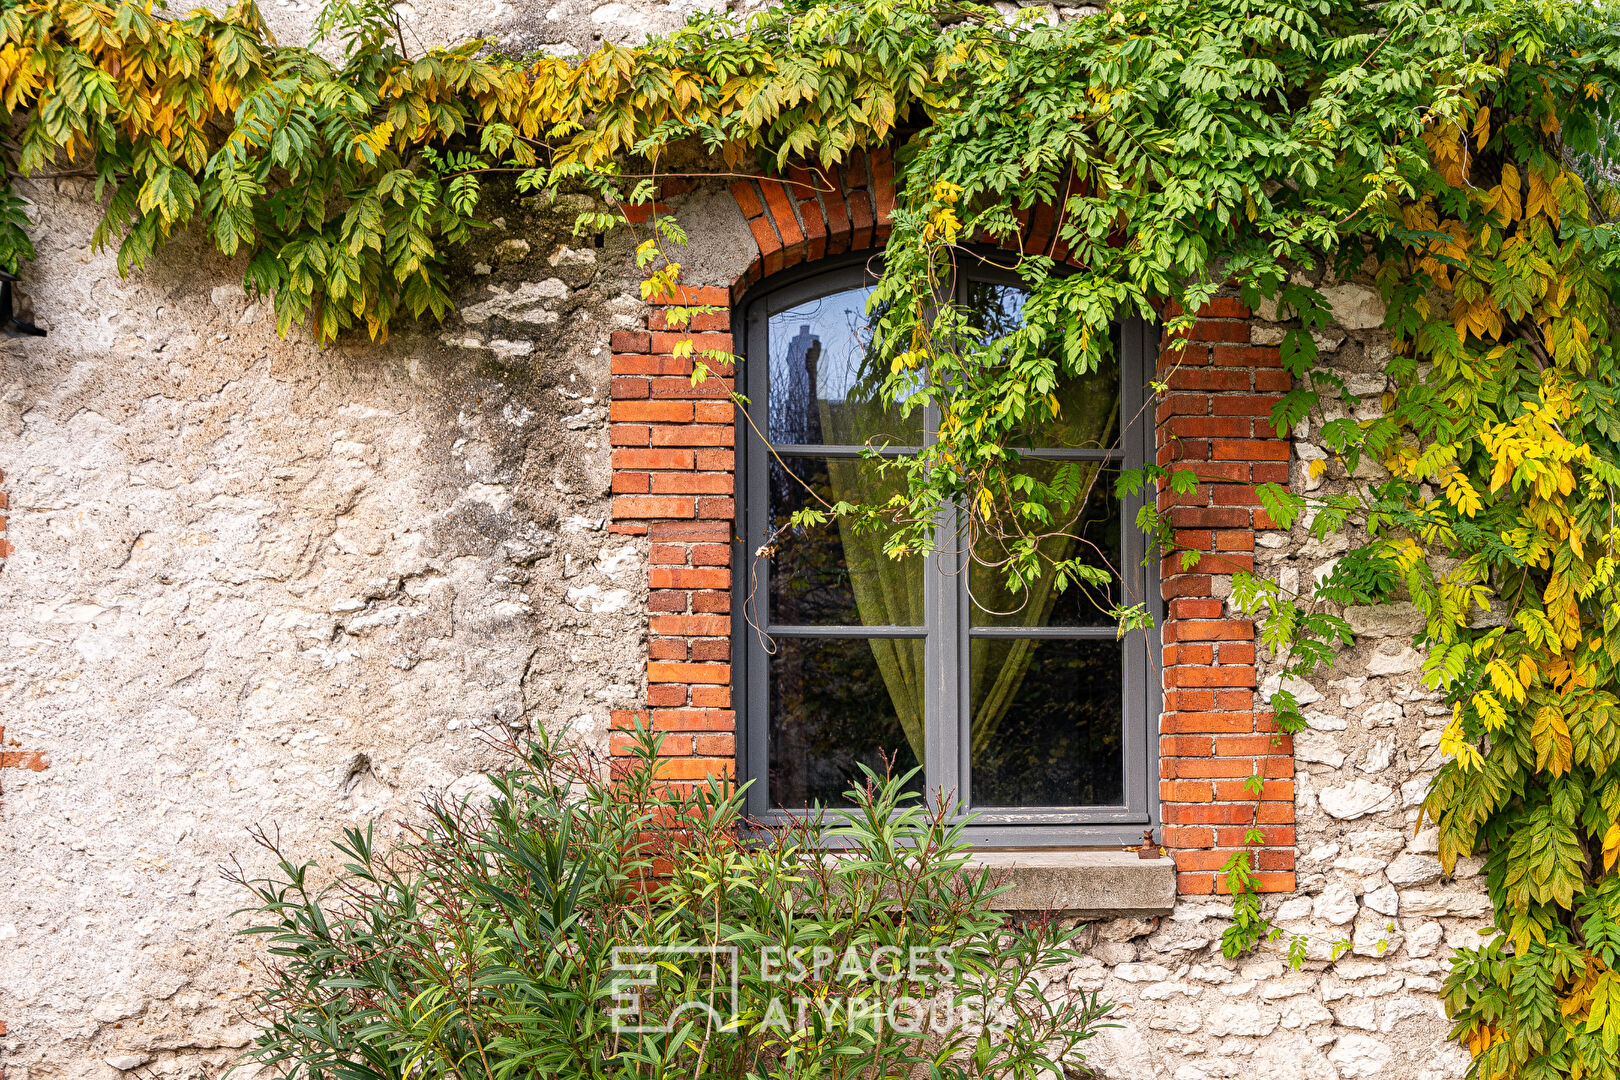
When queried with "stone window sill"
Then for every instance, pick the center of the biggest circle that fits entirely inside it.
(1085, 883)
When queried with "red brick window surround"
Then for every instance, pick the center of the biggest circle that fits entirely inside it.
(674, 483)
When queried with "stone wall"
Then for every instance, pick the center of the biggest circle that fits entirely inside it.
(253, 583)
(1368, 884)
(256, 583)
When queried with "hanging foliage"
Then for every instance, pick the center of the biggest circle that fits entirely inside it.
(1457, 147)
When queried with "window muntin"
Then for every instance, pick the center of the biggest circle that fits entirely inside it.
(1033, 715)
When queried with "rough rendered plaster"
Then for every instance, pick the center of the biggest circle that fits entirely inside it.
(260, 584)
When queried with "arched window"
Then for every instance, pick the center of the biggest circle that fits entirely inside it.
(1029, 710)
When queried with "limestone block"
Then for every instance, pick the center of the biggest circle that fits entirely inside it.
(1320, 853)
(1336, 904)
(1291, 985)
(1375, 971)
(1294, 909)
(1467, 935)
(1165, 990)
(1243, 1018)
(1321, 721)
(1186, 1019)
(1394, 658)
(1380, 715)
(1468, 905)
(1365, 384)
(1359, 1055)
(125, 1062)
(1377, 757)
(1356, 799)
(1406, 1007)
(531, 302)
(1385, 901)
(118, 1006)
(1375, 935)
(1126, 929)
(1424, 939)
(1356, 1013)
(1088, 974)
(1363, 867)
(1114, 953)
(1409, 871)
(512, 251)
(1305, 1011)
(1374, 842)
(1304, 693)
(1355, 307)
(1317, 747)
(1352, 695)
(1415, 790)
(1401, 619)
(1138, 973)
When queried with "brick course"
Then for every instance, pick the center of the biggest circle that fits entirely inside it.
(1213, 421)
(674, 483)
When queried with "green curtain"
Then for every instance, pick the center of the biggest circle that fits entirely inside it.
(1088, 417)
(889, 592)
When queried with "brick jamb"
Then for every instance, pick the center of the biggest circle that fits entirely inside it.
(1214, 734)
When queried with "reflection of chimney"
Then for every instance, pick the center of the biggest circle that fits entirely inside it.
(804, 354)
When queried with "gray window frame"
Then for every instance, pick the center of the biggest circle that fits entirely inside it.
(946, 603)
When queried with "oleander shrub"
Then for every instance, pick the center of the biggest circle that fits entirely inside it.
(495, 941)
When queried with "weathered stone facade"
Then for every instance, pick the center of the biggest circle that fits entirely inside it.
(255, 583)
(1366, 880)
(258, 584)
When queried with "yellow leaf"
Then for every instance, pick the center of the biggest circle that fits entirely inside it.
(1550, 734)
(1455, 744)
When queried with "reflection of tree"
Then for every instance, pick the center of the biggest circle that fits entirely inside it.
(1087, 416)
(832, 714)
(1045, 715)
(1093, 535)
(809, 575)
(1059, 742)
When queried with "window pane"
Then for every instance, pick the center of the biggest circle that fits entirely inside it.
(824, 384)
(837, 704)
(833, 575)
(1088, 405)
(1089, 532)
(1047, 717)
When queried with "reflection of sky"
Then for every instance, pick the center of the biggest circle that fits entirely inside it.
(829, 339)
(840, 322)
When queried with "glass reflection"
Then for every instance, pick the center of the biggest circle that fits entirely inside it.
(1092, 536)
(824, 383)
(1046, 724)
(1088, 405)
(834, 575)
(837, 704)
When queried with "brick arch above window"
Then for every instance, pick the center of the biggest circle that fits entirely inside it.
(674, 483)
(812, 213)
